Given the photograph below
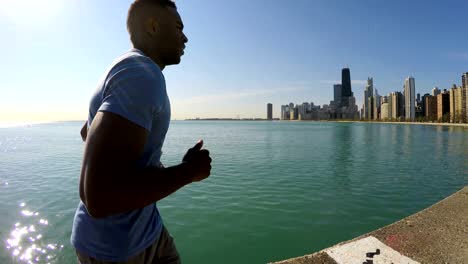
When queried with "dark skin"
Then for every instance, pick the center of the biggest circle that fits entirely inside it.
(110, 183)
(84, 131)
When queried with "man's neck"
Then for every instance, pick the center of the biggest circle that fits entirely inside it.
(153, 57)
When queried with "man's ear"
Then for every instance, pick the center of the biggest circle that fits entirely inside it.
(151, 26)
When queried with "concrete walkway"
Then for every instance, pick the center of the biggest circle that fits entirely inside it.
(438, 234)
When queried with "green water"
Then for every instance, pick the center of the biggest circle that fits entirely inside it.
(277, 190)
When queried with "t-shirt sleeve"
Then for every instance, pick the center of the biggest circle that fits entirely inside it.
(133, 94)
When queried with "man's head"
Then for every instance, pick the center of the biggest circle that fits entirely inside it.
(155, 27)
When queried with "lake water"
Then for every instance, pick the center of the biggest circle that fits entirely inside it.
(277, 189)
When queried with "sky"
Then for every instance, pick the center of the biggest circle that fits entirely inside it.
(240, 56)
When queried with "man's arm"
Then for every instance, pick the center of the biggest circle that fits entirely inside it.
(111, 184)
(84, 131)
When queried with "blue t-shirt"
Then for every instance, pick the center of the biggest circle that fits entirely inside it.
(134, 88)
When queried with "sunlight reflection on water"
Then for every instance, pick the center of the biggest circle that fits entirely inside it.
(26, 242)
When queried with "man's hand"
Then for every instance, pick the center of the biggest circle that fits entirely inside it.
(198, 162)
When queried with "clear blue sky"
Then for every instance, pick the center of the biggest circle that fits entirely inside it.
(240, 55)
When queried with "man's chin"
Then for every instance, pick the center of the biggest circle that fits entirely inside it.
(174, 61)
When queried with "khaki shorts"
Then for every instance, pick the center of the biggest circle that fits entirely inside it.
(162, 252)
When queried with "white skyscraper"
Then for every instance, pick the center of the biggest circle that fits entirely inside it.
(368, 93)
(409, 93)
(376, 106)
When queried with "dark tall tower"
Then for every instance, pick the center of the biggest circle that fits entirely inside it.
(345, 86)
(269, 111)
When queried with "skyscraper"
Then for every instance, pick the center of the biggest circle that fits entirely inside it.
(409, 90)
(435, 91)
(397, 105)
(293, 112)
(376, 106)
(390, 105)
(431, 107)
(423, 104)
(269, 111)
(337, 94)
(465, 94)
(368, 92)
(284, 112)
(345, 86)
(344, 104)
(370, 110)
(303, 111)
(456, 104)
(443, 106)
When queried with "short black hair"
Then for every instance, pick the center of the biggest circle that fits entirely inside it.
(163, 3)
(139, 4)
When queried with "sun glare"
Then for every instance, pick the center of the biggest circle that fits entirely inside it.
(30, 12)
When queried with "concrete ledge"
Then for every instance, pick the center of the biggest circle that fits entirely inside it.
(438, 234)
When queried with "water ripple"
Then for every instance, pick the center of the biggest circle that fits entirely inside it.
(26, 242)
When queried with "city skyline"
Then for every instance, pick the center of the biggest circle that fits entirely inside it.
(447, 105)
(232, 66)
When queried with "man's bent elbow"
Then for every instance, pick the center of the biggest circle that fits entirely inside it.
(84, 133)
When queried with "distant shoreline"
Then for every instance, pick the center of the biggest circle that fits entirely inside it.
(406, 123)
(228, 119)
(465, 125)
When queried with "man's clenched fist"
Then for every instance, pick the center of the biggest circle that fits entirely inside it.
(198, 162)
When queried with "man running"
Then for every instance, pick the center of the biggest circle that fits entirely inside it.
(122, 177)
